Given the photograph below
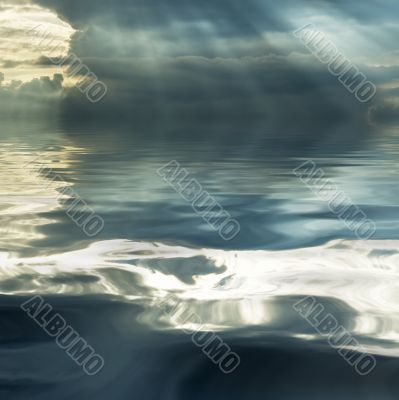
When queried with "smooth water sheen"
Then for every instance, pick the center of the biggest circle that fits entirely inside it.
(110, 287)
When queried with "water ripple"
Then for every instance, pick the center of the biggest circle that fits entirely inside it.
(229, 290)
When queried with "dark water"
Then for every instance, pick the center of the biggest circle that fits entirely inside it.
(110, 287)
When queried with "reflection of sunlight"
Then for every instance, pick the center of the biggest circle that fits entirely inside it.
(25, 193)
(242, 289)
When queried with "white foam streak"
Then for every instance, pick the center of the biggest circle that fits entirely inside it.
(242, 288)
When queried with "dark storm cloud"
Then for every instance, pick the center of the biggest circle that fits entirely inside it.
(214, 59)
(37, 99)
(362, 11)
(267, 90)
(386, 113)
(131, 28)
(230, 17)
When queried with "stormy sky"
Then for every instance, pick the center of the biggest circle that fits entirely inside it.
(219, 60)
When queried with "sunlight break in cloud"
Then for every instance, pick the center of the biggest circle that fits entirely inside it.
(19, 50)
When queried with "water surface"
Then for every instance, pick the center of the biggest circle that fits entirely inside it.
(153, 246)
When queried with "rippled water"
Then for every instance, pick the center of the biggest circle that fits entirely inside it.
(153, 246)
